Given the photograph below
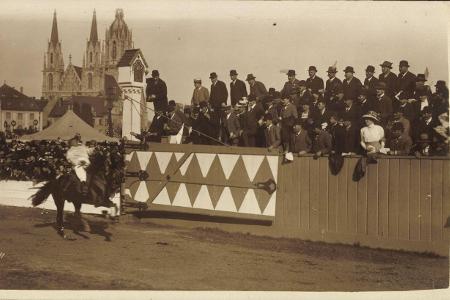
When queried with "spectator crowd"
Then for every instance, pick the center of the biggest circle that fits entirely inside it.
(394, 114)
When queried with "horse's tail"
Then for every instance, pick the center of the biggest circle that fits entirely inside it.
(42, 194)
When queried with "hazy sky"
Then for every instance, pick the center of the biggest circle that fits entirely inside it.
(191, 39)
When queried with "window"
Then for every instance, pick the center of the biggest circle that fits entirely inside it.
(51, 58)
(50, 82)
(138, 70)
(90, 81)
(114, 50)
(19, 120)
(90, 57)
(31, 117)
(8, 115)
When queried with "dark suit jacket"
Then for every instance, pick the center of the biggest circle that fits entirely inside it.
(208, 126)
(252, 116)
(314, 85)
(323, 142)
(273, 136)
(353, 113)
(300, 142)
(406, 83)
(351, 90)
(258, 90)
(232, 124)
(322, 117)
(408, 111)
(159, 89)
(338, 138)
(156, 129)
(237, 91)
(332, 89)
(383, 106)
(218, 95)
(351, 140)
(391, 83)
(288, 87)
(369, 85)
(175, 122)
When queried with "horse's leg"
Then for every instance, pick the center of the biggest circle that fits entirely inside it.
(59, 202)
(77, 205)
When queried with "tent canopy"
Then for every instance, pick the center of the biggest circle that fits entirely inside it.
(66, 127)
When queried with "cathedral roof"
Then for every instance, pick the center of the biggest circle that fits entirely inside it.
(12, 99)
(128, 57)
(78, 70)
(111, 83)
(97, 103)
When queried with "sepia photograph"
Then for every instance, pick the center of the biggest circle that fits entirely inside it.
(224, 147)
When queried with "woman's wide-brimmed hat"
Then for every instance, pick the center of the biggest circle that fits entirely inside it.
(371, 115)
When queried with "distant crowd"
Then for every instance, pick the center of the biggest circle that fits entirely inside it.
(396, 114)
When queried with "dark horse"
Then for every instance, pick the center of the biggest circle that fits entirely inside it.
(102, 183)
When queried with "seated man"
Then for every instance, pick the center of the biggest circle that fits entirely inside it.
(322, 143)
(78, 156)
(272, 132)
(300, 141)
(400, 143)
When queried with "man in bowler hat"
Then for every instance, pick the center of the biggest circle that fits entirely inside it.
(351, 85)
(370, 82)
(389, 78)
(333, 90)
(238, 90)
(257, 88)
(219, 93)
(156, 91)
(314, 83)
(290, 85)
(406, 81)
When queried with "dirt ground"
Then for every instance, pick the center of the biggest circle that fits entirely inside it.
(146, 256)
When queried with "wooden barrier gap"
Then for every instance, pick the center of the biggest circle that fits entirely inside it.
(402, 202)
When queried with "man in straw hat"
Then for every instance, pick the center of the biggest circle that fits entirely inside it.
(333, 90)
(372, 135)
(389, 78)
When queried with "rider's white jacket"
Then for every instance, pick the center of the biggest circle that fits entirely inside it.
(76, 155)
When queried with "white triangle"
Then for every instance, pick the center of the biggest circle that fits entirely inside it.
(163, 159)
(128, 156)
(178, 155)
(252, 164)
(270, 208)
(182, 197)
(203, 199)
(228, 161)
(273, 164)
(127, 192)
(144, 158)
(250, 204)
(142, 193)
(185, 165)
(226, 201)
(205, 160)
(162, 198)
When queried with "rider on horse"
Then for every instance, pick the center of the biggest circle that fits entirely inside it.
(78, 156)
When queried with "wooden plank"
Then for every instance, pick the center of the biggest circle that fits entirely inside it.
(393, 198)
(425, 200)
(352, 196)
(295, 205)
(362, 205)
(372, 199)
(342, 198)
(314, 203)
(436, 200)
(304, 194)
(383, 196)
(403, 199)
(332, 201)
(281, 197)
(414, 201)
(323, 194)
(446, 196)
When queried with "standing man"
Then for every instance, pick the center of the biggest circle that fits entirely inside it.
(406, 81)
(314, 83)
(219, 93)
(232, 127)
(156, 91)
(333, 91)
(291, 85)
(238, 90)
(383, 103)
(370, 82)
(389, 78)
(200, 94)
(351, 86)
(257, 88)
(253, 121)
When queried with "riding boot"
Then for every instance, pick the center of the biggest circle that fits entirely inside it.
(84, 188)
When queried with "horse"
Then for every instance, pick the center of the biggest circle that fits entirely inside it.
(102, 183)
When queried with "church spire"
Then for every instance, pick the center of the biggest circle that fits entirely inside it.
(54, 37)
(94, 36)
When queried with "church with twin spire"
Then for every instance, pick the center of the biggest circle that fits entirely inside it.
(99, 61)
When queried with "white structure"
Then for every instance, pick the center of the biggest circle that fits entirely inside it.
(132, 67)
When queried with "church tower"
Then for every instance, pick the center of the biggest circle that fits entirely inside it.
(53, 64)
(92, 77)
(118, 38)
